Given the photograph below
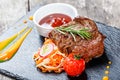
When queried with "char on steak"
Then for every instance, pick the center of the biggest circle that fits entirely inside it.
(86, 48)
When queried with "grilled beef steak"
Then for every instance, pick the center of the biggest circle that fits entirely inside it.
(87, 48)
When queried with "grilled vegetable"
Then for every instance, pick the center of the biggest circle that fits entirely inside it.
(73, 65)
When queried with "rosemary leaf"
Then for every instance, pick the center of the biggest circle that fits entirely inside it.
(60, 31)
(83, 33)
(73, 36)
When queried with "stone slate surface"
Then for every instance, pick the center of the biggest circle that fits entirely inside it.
(22, 66)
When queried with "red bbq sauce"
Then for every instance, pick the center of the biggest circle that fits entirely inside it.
(55, 20)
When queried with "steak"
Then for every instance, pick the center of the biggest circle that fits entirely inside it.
(86, 48)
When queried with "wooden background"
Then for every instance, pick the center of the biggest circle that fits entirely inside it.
(105, 11)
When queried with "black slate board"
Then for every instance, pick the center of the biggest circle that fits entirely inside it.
(22, 67)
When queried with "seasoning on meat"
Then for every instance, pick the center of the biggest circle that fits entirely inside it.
(86, 48)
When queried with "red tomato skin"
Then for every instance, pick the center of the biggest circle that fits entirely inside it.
(72, 66)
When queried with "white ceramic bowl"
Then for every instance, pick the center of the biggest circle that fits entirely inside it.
(50, 9)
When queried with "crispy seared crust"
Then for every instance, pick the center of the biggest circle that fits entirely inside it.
(88, 49)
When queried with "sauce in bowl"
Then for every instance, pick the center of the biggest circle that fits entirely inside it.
(55, 20)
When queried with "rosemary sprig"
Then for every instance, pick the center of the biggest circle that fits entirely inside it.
(83, 33)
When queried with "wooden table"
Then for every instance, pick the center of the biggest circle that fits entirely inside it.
(105, 11)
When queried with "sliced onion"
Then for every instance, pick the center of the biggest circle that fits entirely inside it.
(46, 49)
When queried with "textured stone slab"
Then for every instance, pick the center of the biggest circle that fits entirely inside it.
(22, 66)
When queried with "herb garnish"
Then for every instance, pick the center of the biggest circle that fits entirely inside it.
(83, 32)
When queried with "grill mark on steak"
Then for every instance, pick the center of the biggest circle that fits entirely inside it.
(87, 49)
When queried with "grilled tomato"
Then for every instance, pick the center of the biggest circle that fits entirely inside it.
(73, 65)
